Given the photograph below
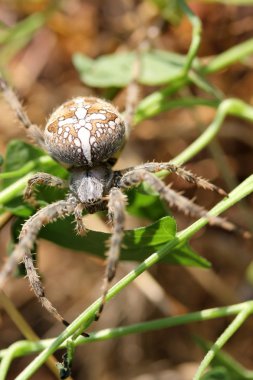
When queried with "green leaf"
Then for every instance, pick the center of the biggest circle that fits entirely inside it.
(18, 154)
(115, 70)
(18, 207)
(145, 205)
(137, 245)
(21, 159)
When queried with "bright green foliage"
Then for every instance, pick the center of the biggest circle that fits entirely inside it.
(115, 70)
(138, 244)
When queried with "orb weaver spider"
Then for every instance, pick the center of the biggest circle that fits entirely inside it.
(86, 135)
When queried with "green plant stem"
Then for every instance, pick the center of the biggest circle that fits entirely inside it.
(27, 332)
(22, 348)
(233, 107)
(172, 104)
(14, 189)
(157, 102)
(152, 104)
(196, 36)
(87, 316)
(225, 360)
(224, 337)
(229, 57)
(44, 161)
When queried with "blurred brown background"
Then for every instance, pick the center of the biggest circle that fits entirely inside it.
(44, 76)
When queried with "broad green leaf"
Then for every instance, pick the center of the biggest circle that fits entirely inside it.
(44, 196)
(137, 245)
(18, 207)
(18, 154)
(21, 159)
(115, 70)
(145, 205)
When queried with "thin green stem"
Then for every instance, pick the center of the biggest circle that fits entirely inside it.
(31, 165)
(27, 332)
(240, 192)
(228, 57)
(144, 112)
(6, 361)
(225, 360)
(223, 338)
(196, 35)
(233, 107)
(22, 348)
(154, 103)
(14, 189)
(17, 187)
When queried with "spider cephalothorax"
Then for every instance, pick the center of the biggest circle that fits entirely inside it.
(86, 134)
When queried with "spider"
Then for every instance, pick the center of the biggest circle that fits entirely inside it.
(86, 135)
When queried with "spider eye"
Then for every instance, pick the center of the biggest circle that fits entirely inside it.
(85, 131)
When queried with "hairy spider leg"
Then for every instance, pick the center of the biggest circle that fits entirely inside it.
(185, 174)
(32, 129)
(78, 213)
(42, 179)
(173, 198)
(22, 252)
(116, 211)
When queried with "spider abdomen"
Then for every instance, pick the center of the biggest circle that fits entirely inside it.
(84, 131)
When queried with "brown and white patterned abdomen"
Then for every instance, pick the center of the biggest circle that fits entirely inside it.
(84, 131)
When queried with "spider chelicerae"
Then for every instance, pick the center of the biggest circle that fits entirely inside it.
(86, 135)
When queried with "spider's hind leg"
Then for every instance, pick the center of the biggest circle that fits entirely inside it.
(138, 175)
(116, 209)
(32, 129)
(187, 175)
(23, 249)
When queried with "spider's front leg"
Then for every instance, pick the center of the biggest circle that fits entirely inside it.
(32, 129)
(187, 175)
(138, 175)
(41, 179)
(25, 245)
(116, 209)
(78, 213)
